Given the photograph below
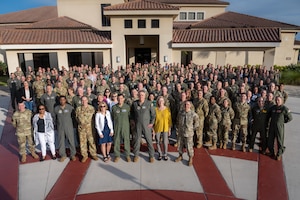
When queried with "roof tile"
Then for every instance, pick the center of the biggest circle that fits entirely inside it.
(226, 35)
(238, 20)
(54, 36)
(30, 15)
(141, 5)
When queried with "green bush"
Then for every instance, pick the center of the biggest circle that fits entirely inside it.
(3, 68)
(289, 75)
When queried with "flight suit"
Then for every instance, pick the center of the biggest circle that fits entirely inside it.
(64, 121)
(143, 115)
(279, 116)
(259, 124)
(49, 102)
(120, 116)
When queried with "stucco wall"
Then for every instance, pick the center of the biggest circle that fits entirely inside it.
(87, 11)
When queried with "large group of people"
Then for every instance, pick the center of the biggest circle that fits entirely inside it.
(98, 107)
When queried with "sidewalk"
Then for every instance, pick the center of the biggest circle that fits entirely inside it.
(219, 174)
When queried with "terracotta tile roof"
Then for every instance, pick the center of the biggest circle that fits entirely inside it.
(54, 36)
(182, 25)
(30, 15)
(238, 20)
(227, 35)
(193, 2)
(57, 23)
(141, 5)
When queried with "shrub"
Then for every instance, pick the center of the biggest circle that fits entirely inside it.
(289, 75)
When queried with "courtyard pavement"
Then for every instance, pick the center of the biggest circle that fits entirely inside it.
(219, 174)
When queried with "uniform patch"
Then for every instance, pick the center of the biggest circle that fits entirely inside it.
(124, 110)
(118, 111)
(60, 111)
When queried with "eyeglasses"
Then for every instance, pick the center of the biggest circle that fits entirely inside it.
(102, 106)
(107, 92)
(41, 108)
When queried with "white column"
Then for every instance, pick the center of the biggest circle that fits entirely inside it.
(62, 58)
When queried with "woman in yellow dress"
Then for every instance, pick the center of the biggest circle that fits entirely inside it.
(162, 127)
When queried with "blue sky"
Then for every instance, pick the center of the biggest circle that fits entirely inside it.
(287, 11)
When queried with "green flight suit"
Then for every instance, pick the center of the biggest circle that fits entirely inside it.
(120, 116)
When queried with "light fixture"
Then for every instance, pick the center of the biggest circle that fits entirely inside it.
(118, 59)
(142, 40)
(165, 58)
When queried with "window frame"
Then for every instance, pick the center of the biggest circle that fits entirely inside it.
(139, 23)
(127, 22)
(155, 22)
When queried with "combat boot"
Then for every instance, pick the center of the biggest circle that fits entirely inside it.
(213, 147)
(23, 158)
(244, 147)
(176, 144)
(191, 161)
(208, 143)
(225, 146)
(221, 145)
(199, 146)
(34, 155)
(233, 146)
(84, 159)
(179, 158)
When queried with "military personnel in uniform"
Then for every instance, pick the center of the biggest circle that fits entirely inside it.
(38, 87)
(21, 120)
(279, 115)
(213, 118)
(187, 123)
(14, 85)
(202, 109)
(48, 99)
(240, 122)
(76, 101)
(120, 115)
(259, 124)
(143, 116)
(225, 124)
(84, 115)
(64, 114)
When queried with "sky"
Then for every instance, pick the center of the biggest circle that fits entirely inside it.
(287, 11)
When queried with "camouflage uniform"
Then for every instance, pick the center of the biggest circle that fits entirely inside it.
(22, 122)
(225, 125)
(202, 110)
(187, 123)
(38, 88)
(240, 121)
(85, 120)
(62, 91)
(214, 117)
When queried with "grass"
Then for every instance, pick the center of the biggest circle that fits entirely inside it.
(3, 80)
(290, 77)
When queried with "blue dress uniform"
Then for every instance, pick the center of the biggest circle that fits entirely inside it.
(143, 115)
(279, 115)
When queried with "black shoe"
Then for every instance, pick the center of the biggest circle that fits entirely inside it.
(165, 158)
(42, 159)
(159, 157)
(53, 157)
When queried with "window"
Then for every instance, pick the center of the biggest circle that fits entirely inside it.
(200, 15)
(191, 16)
(182, 16)
(127, 23)
(105, 20)
(141, 23)
(155, 23)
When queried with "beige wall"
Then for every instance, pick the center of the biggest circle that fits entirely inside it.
(62, 57)
(218, 56)
(209, 11)
(285, 53)
(119, 32)
(87, 11)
